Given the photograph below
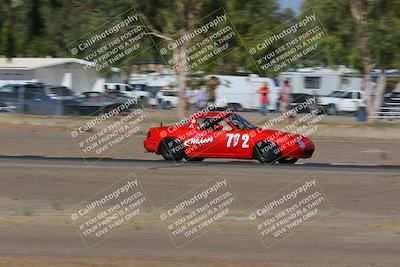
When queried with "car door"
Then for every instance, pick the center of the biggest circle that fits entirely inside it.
(209, 138)
(238, 143)
(346, 102)
(31, 101)
(353, 103)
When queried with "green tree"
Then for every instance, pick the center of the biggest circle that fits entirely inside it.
(8, 23)
(366, 35)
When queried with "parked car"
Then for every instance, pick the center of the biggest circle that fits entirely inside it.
(129, 90)
(342, 101)
(390, 109)
(300, 99)
(37, 98)
(93, 103)
(169, 98)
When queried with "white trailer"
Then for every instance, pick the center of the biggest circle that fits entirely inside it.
(240, 92)
(322, 81)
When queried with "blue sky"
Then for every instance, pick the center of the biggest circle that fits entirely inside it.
(293, 4)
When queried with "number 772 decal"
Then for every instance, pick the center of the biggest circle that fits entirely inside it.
(233, 140)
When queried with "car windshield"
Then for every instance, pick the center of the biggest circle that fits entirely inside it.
(336, 94)
(170, 93)
(240, 122)
(7, 89)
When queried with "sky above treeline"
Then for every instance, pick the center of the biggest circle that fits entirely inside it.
(293, 4)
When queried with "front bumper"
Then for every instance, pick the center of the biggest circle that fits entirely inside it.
(307, 147)
(301, 148)
(151, 145)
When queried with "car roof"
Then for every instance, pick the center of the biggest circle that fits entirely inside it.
(24, 84)
(213, 114)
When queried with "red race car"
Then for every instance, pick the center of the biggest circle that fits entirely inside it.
(225, 135)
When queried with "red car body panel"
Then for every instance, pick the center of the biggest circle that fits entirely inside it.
(234, 143)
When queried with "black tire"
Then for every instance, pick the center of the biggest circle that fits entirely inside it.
(194, 159)
(235, 107)
(172, 149)
(288, 160)
(331, 109)
(143, 101)
(167, 105)
(266, 151)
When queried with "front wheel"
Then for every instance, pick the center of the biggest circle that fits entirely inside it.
(288, 160)
(266, 151)
(172, 149)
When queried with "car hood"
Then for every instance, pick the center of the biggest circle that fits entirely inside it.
(277, 136)
(326, 100)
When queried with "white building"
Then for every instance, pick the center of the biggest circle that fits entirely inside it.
(68, 72)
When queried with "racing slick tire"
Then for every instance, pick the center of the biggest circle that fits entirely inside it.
(266, 151)
(172, 149)
(288, 160)
(194, 159)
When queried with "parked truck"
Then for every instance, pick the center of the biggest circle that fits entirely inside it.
(342, 101)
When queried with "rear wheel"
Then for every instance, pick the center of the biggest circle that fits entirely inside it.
(172, 149)
(266, 151)
(288, 160)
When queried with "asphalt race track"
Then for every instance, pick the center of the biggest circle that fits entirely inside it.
(37, 191)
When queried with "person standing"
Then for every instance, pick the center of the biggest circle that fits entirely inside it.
(285, 96)
(264, 91)
(200, 98)
(211, 86)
